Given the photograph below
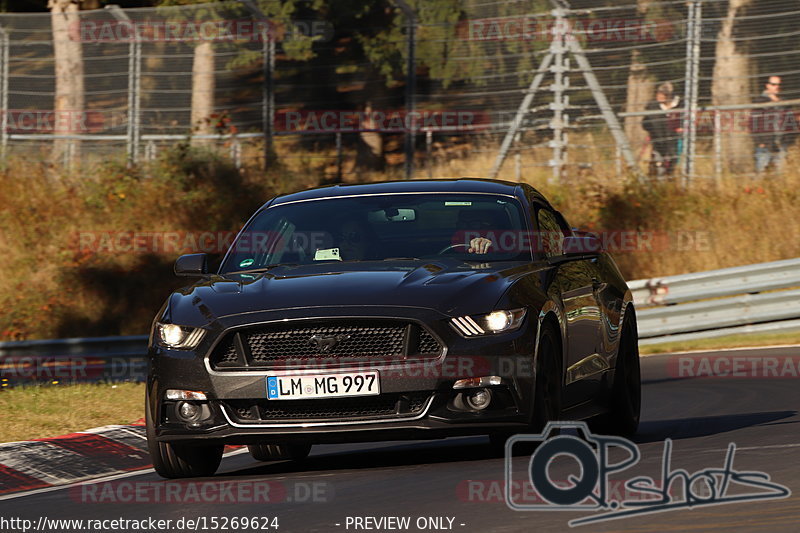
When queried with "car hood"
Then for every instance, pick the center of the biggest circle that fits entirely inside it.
(451, 287)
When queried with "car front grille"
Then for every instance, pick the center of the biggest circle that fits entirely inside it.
(285, 345)
(396, 405)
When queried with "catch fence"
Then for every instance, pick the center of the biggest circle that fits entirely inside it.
(508, 89)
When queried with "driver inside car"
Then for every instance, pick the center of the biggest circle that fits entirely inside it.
(353, 240)
(479, 245)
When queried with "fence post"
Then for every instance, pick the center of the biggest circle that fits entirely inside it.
(560, 69)
(411, 84)
(269, 97)
(134, 83)
(268, 88)
(236, 153)
(4, 45)
(717, 146)
(136, 135)
(693, 26)
(429, 152)
(339, 156)
(150, 150)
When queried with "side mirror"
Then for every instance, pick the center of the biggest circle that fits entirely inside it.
(192, 265)
(584, 244)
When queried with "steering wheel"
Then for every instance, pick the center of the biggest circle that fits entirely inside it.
(452, 247)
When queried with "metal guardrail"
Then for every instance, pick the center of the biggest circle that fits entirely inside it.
(716, 283)
(715, 303)
(720, 313)
(708, 304)
(88, 359)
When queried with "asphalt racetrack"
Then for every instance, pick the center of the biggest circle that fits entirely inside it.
(457, 484)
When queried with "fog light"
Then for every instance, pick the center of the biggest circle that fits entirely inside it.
(188, 411)
(479, 399)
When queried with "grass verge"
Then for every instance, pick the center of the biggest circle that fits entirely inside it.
(41, 411)
(722, 343)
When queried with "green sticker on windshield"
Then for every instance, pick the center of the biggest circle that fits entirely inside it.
(246, 263)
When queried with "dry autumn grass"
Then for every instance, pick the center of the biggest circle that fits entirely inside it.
(50, 287)
(46, 411)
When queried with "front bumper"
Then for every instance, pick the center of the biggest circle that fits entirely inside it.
(443, 414)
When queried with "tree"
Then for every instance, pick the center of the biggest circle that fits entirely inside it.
(730, 83)
(640, 90)
(69, 83)
(203, 85)
(203, 67)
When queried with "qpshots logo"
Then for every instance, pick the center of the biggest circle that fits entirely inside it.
(592, 489)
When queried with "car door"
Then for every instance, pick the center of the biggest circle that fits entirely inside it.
(576, 282)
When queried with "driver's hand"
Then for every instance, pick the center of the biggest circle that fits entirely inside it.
(479, 245)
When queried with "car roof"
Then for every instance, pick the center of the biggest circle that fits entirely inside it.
(471, 185)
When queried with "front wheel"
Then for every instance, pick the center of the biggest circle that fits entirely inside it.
(547, 391)
(547, 395)
(177, 460)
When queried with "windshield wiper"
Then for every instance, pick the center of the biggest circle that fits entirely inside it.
(402, 259)
(259, 270)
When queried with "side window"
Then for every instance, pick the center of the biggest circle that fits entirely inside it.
(551, 235)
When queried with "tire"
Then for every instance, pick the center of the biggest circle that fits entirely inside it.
(547, 395)
(279, 452)
(177, 460)
(625, 400)
(547, 392)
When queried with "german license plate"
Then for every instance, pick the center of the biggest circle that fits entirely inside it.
(303, 387)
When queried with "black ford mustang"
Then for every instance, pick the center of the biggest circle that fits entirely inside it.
(417, 309)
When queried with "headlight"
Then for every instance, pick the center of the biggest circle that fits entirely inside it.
(494, 322)
(179, 337)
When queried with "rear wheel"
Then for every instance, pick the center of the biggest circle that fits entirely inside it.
(177, 460)
(279, 452)
(626, 391)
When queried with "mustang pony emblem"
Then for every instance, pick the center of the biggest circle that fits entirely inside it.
(325, 343)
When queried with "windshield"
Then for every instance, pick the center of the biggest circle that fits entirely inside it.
(480, 227)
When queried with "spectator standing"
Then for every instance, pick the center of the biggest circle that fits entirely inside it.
(771, 128)
(664, 130)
